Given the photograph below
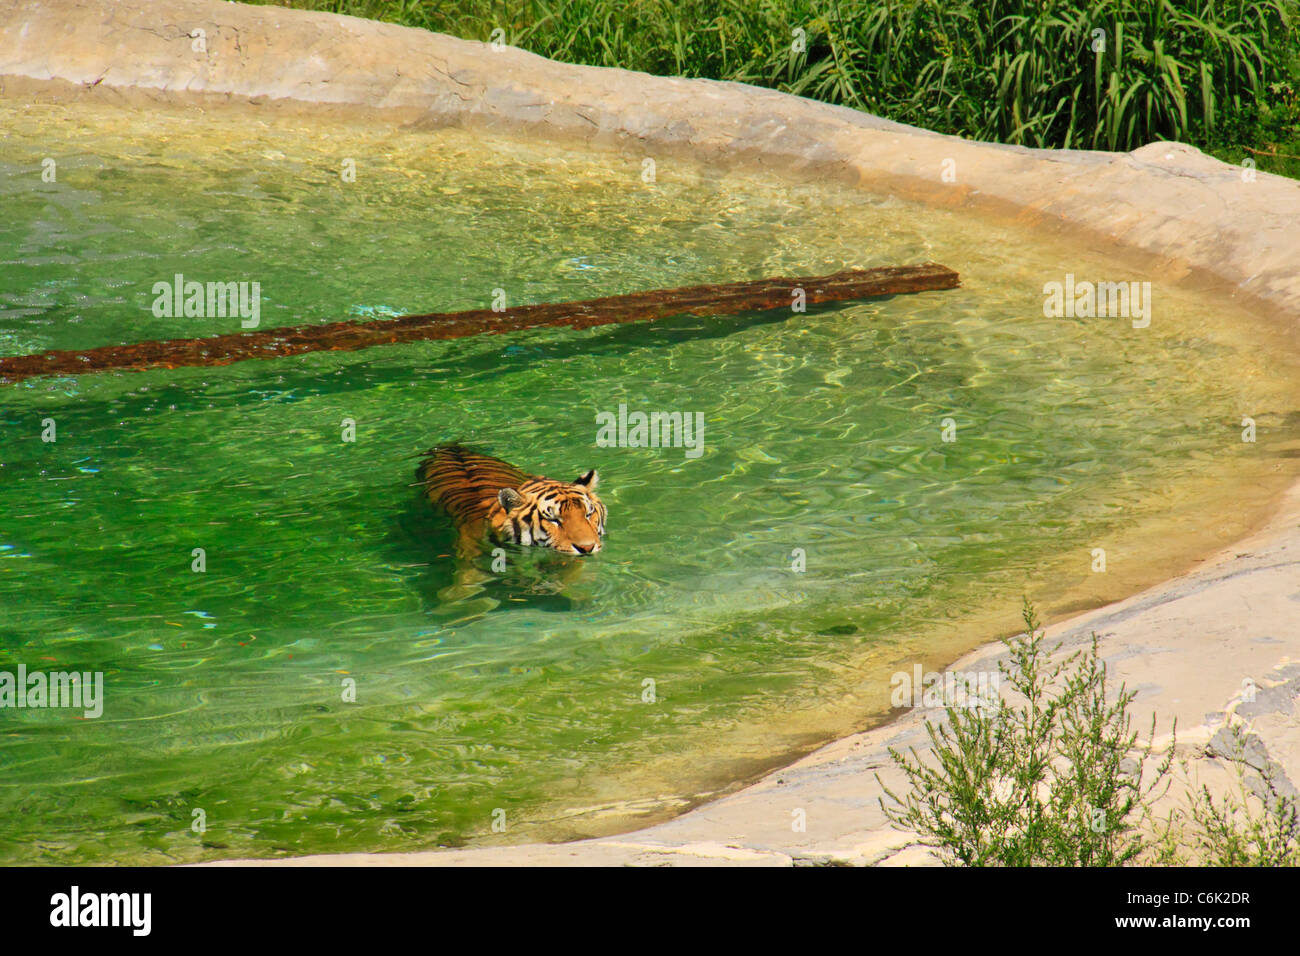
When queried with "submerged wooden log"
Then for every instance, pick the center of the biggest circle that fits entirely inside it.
(725, 299)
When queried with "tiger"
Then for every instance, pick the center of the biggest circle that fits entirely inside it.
(488, 498)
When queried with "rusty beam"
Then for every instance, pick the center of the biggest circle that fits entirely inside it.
(725, 299)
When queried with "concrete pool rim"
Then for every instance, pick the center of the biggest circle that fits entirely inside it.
(1177, 213)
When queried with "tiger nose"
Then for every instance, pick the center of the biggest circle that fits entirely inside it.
(587, 550)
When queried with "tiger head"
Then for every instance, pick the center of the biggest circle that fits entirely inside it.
(561, 515)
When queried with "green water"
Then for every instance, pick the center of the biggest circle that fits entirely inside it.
(224, 689)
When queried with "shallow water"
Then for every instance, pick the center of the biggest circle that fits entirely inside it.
(224, 689)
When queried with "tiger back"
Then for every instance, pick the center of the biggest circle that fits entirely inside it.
(487, 497)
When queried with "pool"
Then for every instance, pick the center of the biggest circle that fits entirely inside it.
(878, 483)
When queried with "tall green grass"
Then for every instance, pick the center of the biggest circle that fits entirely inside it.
(1107, 74)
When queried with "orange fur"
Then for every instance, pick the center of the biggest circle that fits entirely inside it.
(487, 497)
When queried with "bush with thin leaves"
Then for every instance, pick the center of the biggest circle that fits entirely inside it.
(1055, 776)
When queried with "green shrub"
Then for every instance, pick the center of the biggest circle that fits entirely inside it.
(1055, 777)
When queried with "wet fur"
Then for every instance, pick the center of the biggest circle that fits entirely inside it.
(489, 499)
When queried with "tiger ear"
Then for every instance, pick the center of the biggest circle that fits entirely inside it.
(510, 499)
(589, 480)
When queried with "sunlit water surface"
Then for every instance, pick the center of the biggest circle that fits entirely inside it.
(823, 439)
